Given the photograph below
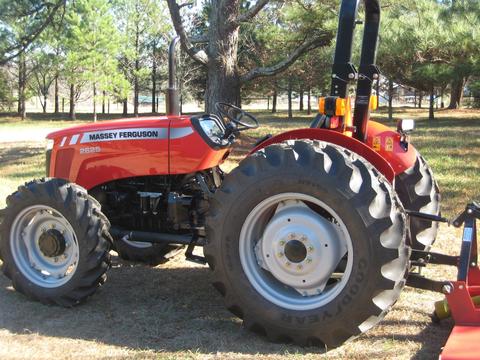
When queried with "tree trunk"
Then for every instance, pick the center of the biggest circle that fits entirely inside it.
(300, 106)
(22, 80)
(154, 77)
(104, 95)
(94, 103)
(390, 99)
(57, 107)
(290, 90)
(44, 105)
(135, 76)
(223, 83)
(135, 94)
(309, 101)
(420, 100)
(63, 104)
(72, 114)
(125, 107)
(431, 113)
(442, 94)
(274, 100)
(457, 93)
(415, 98)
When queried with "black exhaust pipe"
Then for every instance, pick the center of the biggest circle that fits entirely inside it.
(173, 96)
(150, 237)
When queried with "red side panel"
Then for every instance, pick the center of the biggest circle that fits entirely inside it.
(338, 139)
(189, 152)
(93, 154)
(111, 150)
(386, 142)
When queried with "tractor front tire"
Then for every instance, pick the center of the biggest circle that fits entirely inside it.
(275, 225)
(54, 242)
(418, 190)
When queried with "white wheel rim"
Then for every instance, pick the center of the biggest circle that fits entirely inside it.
(311, 281)
(42, 270)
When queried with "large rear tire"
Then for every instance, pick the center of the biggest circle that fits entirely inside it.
(54, 242)
(418, 190)
(275, 225)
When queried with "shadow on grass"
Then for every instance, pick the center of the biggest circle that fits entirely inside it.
(165, 309)
(14, 154)
(159, 309)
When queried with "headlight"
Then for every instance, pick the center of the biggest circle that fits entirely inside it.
(405, 126)
(49, 144)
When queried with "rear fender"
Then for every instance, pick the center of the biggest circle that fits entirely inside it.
(333, 137)
(387, 143)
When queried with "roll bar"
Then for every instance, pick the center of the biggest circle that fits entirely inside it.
(344, 72)
(172, 96)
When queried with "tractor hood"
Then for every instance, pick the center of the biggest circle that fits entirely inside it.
(110, 128)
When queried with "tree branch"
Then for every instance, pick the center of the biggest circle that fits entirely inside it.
(251, 13)
(25, 41)
(322, 40)
(198, 55)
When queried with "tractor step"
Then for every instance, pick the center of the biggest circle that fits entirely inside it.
(190, 256)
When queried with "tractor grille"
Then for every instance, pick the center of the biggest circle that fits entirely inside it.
(48, 160)
(63, 162)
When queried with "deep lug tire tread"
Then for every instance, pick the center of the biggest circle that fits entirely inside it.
(91, 228)
(418, 191)
(341, 169)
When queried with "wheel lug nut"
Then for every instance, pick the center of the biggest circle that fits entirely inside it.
(299, 267)
(310, 248)
(292, 236)
(280, 254)
(53, 226)
(282, 243)
(309, 260)
(55, 259)
(288, 264)
(44, 230)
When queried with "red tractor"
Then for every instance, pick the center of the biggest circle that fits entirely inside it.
(307, 238)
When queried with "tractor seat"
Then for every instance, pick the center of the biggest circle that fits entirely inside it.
(319, 122)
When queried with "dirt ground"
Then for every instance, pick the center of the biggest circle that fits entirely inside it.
(172, 312)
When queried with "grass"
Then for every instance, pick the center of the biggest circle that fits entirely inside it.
(171, 311)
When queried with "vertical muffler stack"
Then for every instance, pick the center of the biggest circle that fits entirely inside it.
(173, 96)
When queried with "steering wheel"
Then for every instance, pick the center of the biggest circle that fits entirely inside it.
(237, 116)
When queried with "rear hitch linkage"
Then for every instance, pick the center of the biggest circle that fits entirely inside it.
(467, 259)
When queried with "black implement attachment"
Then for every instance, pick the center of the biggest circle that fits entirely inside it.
(467, 259)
